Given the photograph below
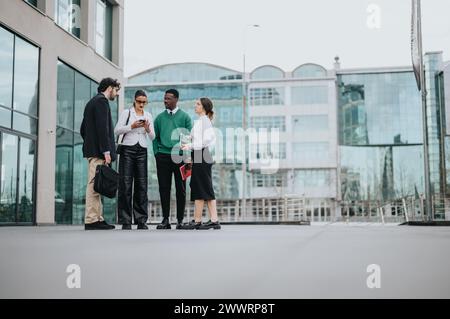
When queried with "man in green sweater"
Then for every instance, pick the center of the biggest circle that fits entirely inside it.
(166, 147)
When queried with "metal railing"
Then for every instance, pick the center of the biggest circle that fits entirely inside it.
(300, 209)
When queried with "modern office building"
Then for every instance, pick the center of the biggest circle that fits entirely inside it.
(301, 166)
(327, 144)
(53, 54)
(380, 138)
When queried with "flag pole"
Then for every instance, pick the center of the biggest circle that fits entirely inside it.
(423, 89)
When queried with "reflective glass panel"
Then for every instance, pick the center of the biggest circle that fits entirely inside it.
(64, 176)
(26, 173)
(26, 76)
(8, 186)
(6, 67)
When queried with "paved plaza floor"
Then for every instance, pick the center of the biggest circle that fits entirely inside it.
(270, 262)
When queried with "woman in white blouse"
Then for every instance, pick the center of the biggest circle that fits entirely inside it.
(203, 137)
(135, 125)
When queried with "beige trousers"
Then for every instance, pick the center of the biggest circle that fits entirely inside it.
(94, 207)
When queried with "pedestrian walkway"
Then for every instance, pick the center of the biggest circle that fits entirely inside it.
(318, 261)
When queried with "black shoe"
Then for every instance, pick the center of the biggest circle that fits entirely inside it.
(165, 224)
(126, 227)
(98, 226)
(210, 225)
(190, 226)
(142, 226)
(179, 224)
(108, 225)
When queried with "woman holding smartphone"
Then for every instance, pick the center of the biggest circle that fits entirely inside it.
(135, 125)
(203, 137)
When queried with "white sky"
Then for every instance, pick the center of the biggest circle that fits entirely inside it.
(292, 32)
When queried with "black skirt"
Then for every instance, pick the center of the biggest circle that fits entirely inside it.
(201, 179)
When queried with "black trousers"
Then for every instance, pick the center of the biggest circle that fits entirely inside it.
(166, 168)
(133, 170)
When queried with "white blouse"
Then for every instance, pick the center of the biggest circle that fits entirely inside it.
(137, 135)
(202, 134)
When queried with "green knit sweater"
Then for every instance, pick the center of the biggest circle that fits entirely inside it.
(167, 131)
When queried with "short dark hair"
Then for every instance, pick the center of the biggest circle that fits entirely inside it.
(106, 83)
(174, 92)
(139, 93)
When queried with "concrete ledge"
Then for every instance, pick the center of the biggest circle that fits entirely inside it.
(435, 223)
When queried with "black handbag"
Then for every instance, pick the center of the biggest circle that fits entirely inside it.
(119, 146)
(106, 181)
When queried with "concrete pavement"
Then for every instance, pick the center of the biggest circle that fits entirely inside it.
(318, 261)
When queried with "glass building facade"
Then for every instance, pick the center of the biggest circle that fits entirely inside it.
(19, 84)
(380, 136)
(351, 151)
(74, 91)
(185, 72)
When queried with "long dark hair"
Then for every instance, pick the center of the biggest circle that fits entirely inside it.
(208, 106)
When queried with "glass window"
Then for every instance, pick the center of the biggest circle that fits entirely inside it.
(379, 109)
(94, 87)
(114, 105)
(267, 96)
(80, 179)
(8, 186)
(64, 176)
(310, 123)
(68, 15)
(74, 92)
(310, 71)
(5, 117)
(103, 29)
(66, 79)
(24, 124)
(269, 180)
(6, 67)
(268, 151)
(381, 173)
(312, 152)
(267, 73)
(25, 187)
(26, 77)
(311, 179)
(32, 2)
(310, 95)
(268, 122)
(82, 96)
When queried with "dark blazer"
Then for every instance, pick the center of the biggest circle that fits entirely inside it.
(97, 129)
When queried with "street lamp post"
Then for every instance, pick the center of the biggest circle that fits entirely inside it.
(244, 121)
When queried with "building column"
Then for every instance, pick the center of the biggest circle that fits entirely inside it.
(118, 38)
(88, 14)
(45, 184)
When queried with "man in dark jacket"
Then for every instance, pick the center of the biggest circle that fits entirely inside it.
(97, 131)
